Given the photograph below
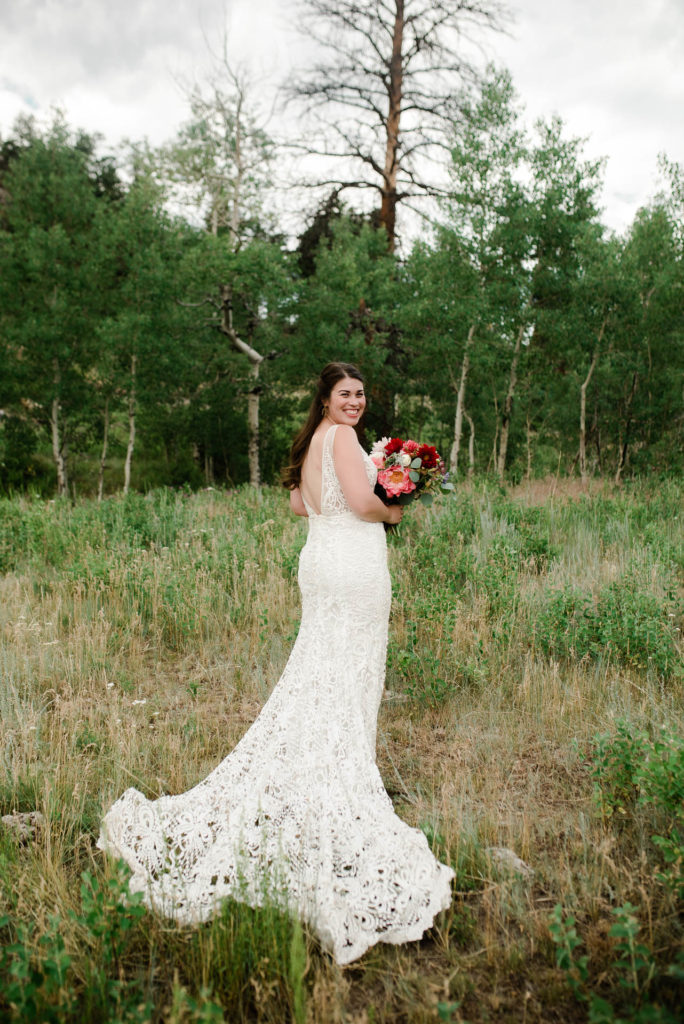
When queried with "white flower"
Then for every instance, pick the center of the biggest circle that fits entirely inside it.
(405, 459)
(139, 702)
(379, 446)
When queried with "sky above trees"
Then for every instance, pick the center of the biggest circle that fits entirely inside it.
(610, 68)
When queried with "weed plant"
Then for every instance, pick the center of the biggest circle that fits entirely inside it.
(533, 702)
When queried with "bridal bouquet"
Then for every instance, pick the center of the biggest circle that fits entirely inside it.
(408, 470)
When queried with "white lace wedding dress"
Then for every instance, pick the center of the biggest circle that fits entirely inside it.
(298, 811)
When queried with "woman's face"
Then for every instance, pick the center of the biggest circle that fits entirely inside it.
(346, 402)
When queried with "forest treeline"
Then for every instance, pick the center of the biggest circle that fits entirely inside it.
(158, 327)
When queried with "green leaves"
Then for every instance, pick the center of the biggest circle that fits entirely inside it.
(634, 966)
(37, 970)
(622, 623)
(564, 933)
(630, 769)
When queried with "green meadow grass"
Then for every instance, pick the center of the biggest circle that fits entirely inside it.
(534, 702)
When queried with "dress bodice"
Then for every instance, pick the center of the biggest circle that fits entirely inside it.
(333, 501)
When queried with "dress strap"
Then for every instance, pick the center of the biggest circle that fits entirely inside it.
(332, 498)
(329, 439)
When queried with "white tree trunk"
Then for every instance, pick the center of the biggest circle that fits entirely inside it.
(491, 464)
(103, 456)
(253, 427)
(58, 453)
(508, 404)
(255, 359)
(460, 402)
(131, 427)
(57, 450)
(235, 211)
(583, 406)
(623, 446)
(471, 445)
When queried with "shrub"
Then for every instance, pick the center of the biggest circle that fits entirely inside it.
(621, 624)
(629, 770)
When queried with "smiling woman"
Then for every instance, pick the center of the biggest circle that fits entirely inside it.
(340, 400)
(298, 811)
(347, 402)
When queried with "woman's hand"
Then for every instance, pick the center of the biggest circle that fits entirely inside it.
(394, 514)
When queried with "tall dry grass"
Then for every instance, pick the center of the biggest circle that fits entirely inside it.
(138, 640)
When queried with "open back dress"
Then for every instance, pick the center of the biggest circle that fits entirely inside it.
(297, 812)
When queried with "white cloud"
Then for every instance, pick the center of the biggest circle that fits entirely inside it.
(610, 68)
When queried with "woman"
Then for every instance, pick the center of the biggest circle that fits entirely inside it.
(298, 812)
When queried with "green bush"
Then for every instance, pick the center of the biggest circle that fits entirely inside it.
(38, 981)
(632, 770)
(621, 624)
(644, 993)
(256, 957)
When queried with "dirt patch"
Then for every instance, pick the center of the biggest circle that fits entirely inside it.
(538, 492)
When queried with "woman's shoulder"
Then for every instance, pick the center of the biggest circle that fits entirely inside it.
(344, 438)
(346, 448)
(346, 433)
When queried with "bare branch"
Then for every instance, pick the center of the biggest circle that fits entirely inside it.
(391, 84)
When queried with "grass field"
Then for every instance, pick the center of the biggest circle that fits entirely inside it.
(534, 702)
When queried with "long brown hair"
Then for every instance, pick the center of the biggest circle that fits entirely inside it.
(329, 377)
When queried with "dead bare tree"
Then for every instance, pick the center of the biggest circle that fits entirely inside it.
(385, 101)
(222, 157)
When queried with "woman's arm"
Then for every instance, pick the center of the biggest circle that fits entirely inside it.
(297, 502)
(351, 472)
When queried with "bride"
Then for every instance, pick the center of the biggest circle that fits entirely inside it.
(297, 812)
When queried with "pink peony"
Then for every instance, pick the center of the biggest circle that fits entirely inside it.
(378, 459)
(411, 447)
(395, 481)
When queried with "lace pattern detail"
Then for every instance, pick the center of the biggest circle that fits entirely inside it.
(297, 812)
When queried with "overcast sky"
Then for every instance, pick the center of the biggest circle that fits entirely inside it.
(613, 69)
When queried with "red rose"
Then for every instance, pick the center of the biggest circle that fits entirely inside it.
(395, 445)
